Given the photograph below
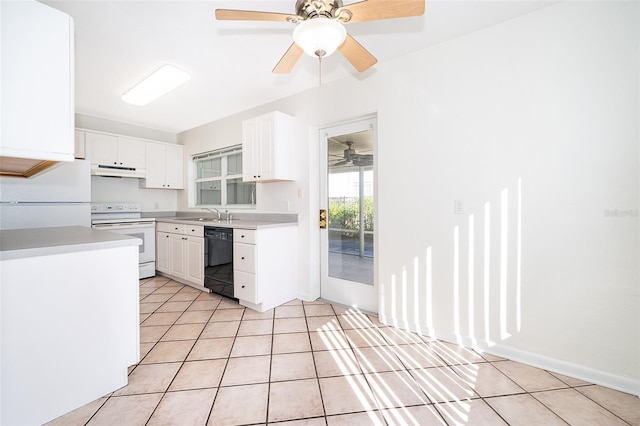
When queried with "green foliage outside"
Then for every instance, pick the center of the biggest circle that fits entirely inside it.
(344, 213)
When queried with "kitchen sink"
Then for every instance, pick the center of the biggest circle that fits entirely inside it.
(199, 219)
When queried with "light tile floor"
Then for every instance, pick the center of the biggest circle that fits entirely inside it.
(208, 361)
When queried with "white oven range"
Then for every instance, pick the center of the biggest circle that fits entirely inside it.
(125, 218)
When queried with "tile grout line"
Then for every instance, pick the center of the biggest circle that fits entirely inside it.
(352, 348)
(226, 364)
(315, 367)
(186, 356)
(157, 342)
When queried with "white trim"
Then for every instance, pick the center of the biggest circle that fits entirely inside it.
(587, 374)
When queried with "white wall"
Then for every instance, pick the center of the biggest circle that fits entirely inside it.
(533, 123)
(110, 126)
(127, 190)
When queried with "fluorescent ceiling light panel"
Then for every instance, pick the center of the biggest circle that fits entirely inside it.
(157, 84)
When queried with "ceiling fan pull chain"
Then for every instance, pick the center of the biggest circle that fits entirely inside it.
(319, 70)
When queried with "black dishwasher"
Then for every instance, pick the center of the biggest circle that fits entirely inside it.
(218, 272)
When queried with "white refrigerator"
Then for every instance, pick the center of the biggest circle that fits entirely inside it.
(59, 197)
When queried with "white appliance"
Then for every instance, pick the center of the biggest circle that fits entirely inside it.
(59, 197)
(126, 219)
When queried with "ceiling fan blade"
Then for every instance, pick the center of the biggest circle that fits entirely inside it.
(359, 57)
(362, 163)
(250, 15)
(372, 10)
(340, 163)
(363, 156)
(288, 60)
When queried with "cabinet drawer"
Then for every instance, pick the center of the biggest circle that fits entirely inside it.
(244, 287)
(247, 236)
(174, 228)
(195, 230)
(244, 258)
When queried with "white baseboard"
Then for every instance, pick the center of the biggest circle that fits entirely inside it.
(587, 374)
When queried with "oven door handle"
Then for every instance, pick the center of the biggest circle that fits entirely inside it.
(108, 226)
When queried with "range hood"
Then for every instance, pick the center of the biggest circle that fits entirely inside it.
(116, 171)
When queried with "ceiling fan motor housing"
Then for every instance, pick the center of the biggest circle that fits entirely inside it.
(349, 151)
(308, 9)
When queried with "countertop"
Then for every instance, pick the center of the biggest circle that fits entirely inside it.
(24, 243)
(234, 223)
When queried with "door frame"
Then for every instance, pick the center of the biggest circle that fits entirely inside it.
(353, 296)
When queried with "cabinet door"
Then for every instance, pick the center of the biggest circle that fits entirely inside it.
(37, 101)
(174, 166)
(245, 287)
(132, 153)
(244, 258)
(155, 170)
(250, 150)
(163, 252)
(266, 147)
(194, 260)
(177, 263)
(101, 148)
(79, 144)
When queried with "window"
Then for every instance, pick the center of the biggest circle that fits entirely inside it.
(218, 179)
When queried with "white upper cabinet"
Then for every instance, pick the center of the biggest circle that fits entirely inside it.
(37, 84)
(157, 164)
(268, 150)
(132, 153)
(165, 166)
(117, 151)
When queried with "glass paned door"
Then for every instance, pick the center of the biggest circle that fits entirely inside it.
(348, 195)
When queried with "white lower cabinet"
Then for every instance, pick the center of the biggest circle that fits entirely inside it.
(264, 266)
(180, 252)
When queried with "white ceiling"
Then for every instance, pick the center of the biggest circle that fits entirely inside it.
(118, 43)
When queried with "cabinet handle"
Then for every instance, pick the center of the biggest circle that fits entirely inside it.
(242, 286)
(241, 236)
(242, 257)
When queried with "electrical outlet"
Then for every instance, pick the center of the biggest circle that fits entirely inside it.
(458, 207)
(156, 205)
(300, 193)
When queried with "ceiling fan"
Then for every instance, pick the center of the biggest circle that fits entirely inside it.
(351, 157)
(320, 31)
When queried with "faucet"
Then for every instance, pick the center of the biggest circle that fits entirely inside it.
(217, 212)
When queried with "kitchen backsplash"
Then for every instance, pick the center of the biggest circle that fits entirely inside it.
(127, 190)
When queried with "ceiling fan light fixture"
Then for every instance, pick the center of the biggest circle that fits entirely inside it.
(162, 81)
(319, 37)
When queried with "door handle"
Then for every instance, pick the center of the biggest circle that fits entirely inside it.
(323, 219)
